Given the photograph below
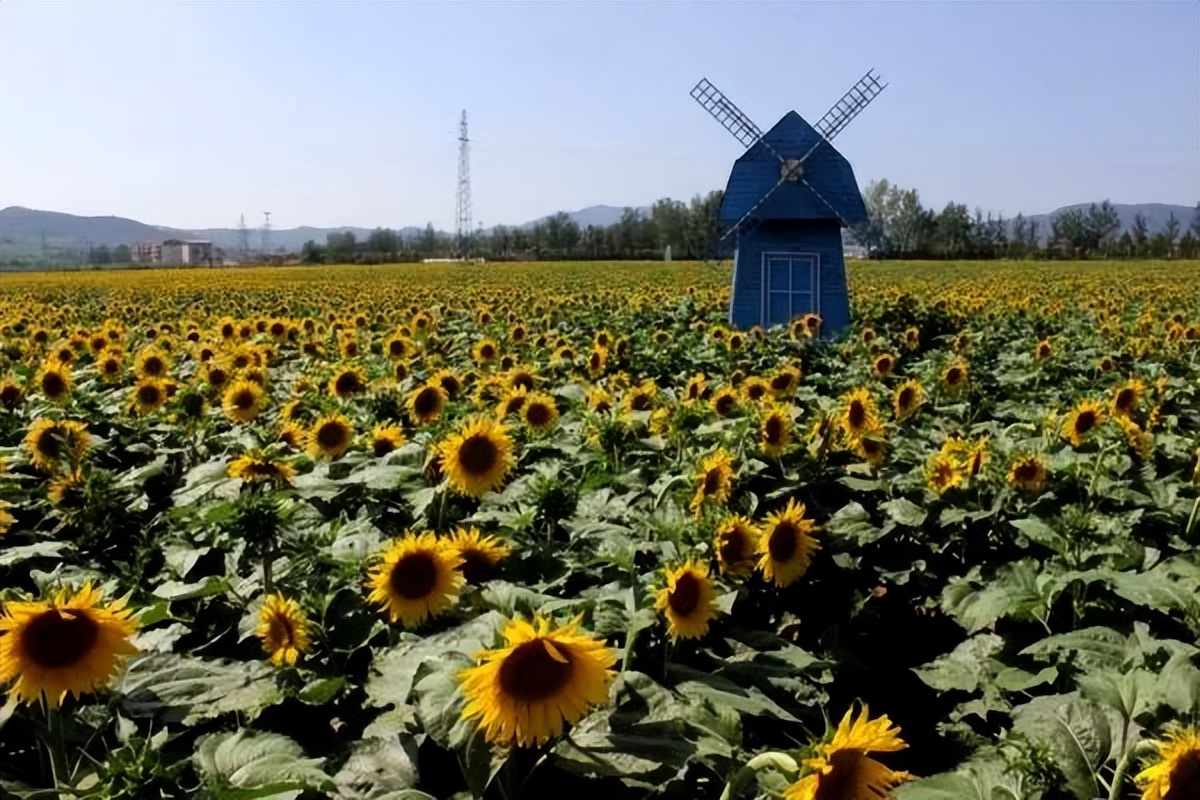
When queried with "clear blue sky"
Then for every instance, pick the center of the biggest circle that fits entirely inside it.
(187, 114)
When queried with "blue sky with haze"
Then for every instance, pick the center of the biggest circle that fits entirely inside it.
(187, 114)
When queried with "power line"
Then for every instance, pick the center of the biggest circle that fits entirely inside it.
(463, 210)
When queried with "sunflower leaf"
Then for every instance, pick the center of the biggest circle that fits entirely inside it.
(1077, 732)
(244, 765)
(377, 768)
(190, 689)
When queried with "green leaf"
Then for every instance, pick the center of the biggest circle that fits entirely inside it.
(191, 689)
(243, 765)
(905, 512)
(395, 669)
(853, 525)
(1037, 530)
(15, 555)
(1173, 584)
(439, 706)
(1088, 647)
(320, 691)
(378, 768)
(965, 667)
(1013, 592)
(1078, 733)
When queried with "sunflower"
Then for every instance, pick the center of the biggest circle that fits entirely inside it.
(640, 397)
(954, 376)
(50, 441)
(599, 400)
(775, 430)
(724, 402)
(397, 348)
(512, 402)
(714, 480)
(110, 366)
(597, 361)
(479, 553)
(1107, 364)
(477, 458)
(787, 545)
(687, 600)
(539, 411)
(1173, 772)
(841, 768)
(755, 388)
(736, 546)
(912, 338)
(1044, 350)
(148, 395)
(1082, 420)
(907, 399)
(426, 403)
(485, 351)
(415, 578)
(294, 435)
(883, 365)
(70, 643)
(1028, 472)
(520, 376)
(859, 415)
(872, 446)
(283, 629)
(385, 439)
(54, 380)
(451, 384)
(67, 490)
(256, 467)
(944, 472)
(784, 382)
(543, 677)
(1126, 397)
(151, 362)
(330, 436)
(10, 393)
(242, 401)
(6, 519)
(348, 382)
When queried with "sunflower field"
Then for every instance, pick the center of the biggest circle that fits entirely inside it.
(535, 530)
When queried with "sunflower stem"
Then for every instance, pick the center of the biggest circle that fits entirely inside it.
(1114, 791)
(268, 561)
(59, 768)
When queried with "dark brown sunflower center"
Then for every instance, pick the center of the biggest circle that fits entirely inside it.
(1124, 399)
(266, 469)
(783, 541)
(907, 395)
(755, 391)
(640, 401)
(396, 348)
(49, 443)
(149, 394)
(530, 673)
(884, 365)
(450, 385)
(476, 566)
(773, 430)
(53, 384)
(856, 415)
(1085, 421)
(734, 547)
(280, 631)
(277, 329)
(153, 366)
(487, 351)
(537, 415)
(693, 391)
(60, 638)
(331, 435)
(427, 402)
(781, 382)
(350, 348)
(725, 405)
(346, 383)
(382, 445)
(843, 780)
(1043, 349)
(685, 597)
(478, 455)
(522, 379)
(110, 366)
(243, 399)
(10, 395)
(1026, 471)
(1185, 777)
(414, 576)
(954, 376)
(712, 480)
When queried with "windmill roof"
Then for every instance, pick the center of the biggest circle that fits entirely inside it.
(828, 189)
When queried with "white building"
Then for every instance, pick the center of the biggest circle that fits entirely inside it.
(187, 252)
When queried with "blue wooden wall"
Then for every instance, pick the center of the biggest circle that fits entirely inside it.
(825, 168)
(820, 237)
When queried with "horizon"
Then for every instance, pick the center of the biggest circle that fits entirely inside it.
(321, 131)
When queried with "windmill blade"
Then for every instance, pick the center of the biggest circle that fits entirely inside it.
(725, 112)
(848, 107)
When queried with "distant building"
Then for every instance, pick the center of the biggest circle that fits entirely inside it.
(187, 252)
(146, 252)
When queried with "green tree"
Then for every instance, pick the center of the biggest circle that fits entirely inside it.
(340, 247)
(383, 245)
(312, 253)
(121, 254)
(955, 237)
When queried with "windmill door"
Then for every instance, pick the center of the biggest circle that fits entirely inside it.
(791, 286)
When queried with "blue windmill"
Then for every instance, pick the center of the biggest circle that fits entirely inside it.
(787, 200)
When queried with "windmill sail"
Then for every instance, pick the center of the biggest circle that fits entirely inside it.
(849, 106)
(726, 113)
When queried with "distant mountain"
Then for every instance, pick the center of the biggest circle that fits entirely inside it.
(27, 232)
(1155, 214)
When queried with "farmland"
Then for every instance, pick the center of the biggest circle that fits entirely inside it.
(520, 530)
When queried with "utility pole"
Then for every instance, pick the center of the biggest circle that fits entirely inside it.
(266, 236)
(463, 209)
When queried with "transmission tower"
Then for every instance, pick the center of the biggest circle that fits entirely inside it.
(266, 235)
(463, 210)
(243, 240)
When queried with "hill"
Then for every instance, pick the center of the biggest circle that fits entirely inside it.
(1155, 214)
